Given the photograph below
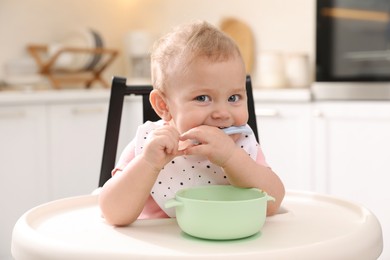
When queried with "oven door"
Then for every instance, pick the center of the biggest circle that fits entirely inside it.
(353, 45)
(353, 40)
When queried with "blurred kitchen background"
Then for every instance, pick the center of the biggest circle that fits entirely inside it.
(289, 31)
(52, 131)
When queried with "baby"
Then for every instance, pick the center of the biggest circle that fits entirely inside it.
(198, 78)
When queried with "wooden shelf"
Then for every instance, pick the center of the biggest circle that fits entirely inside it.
(57, 75)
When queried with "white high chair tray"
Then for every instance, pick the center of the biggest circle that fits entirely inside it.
(309, 226)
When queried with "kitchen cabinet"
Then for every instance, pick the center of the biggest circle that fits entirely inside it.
(76, 138)
(24, 172)
(285, 137)
(51, 147)
(352, 147)
(337, 148)
(77, 132)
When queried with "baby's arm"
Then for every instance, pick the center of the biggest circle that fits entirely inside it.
(254, 175)
(123, 197)
(241, 169)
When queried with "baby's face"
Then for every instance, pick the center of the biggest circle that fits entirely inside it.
(208, 93)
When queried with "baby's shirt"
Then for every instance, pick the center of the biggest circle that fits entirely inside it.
(186, 171)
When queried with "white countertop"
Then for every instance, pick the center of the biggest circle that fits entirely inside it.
(52, 96)
(47, 96)
(282, 94)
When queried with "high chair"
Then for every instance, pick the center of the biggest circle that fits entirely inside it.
(308, 225)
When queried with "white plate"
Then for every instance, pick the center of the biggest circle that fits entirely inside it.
(98, 43)
(83, 38)
(23, 80)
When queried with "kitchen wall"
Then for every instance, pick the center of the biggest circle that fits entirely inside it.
(286, 26)
(45, 21)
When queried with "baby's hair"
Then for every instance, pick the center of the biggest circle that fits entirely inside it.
(184, 44)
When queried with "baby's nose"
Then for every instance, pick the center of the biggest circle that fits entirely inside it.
(220, 112)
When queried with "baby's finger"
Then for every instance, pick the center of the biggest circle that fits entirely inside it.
(186, 144)
(194, 136)
(195, 150)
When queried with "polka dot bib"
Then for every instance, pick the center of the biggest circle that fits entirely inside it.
(187, 171)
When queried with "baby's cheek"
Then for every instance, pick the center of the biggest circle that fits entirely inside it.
(182, 126)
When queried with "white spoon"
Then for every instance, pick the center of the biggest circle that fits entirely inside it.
(245, 129)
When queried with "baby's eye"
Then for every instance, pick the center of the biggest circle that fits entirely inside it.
(234, 98)
(202, 98)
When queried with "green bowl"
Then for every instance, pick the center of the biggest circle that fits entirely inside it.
(220, 212)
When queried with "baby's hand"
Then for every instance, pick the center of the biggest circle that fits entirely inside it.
(162, 146)
(213, 143)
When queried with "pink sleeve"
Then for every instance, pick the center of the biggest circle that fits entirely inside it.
(152, 210)
(261, 158)
(126, 156)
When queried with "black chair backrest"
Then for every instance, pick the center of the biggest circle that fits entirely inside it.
(252, 122)
(119, 89)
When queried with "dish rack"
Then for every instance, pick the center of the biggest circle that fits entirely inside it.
(87, 75)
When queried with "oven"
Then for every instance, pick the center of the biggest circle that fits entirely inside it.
(352, 49)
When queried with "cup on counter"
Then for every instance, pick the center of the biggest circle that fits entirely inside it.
(271, 70)
(283, 70)
(297, 70)
(137, 47)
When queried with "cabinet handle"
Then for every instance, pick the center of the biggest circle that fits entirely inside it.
(12, 114)
(267, 112)
(318, 113)
(90, 110)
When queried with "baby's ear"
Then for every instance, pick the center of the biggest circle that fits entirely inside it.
(159, 104)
